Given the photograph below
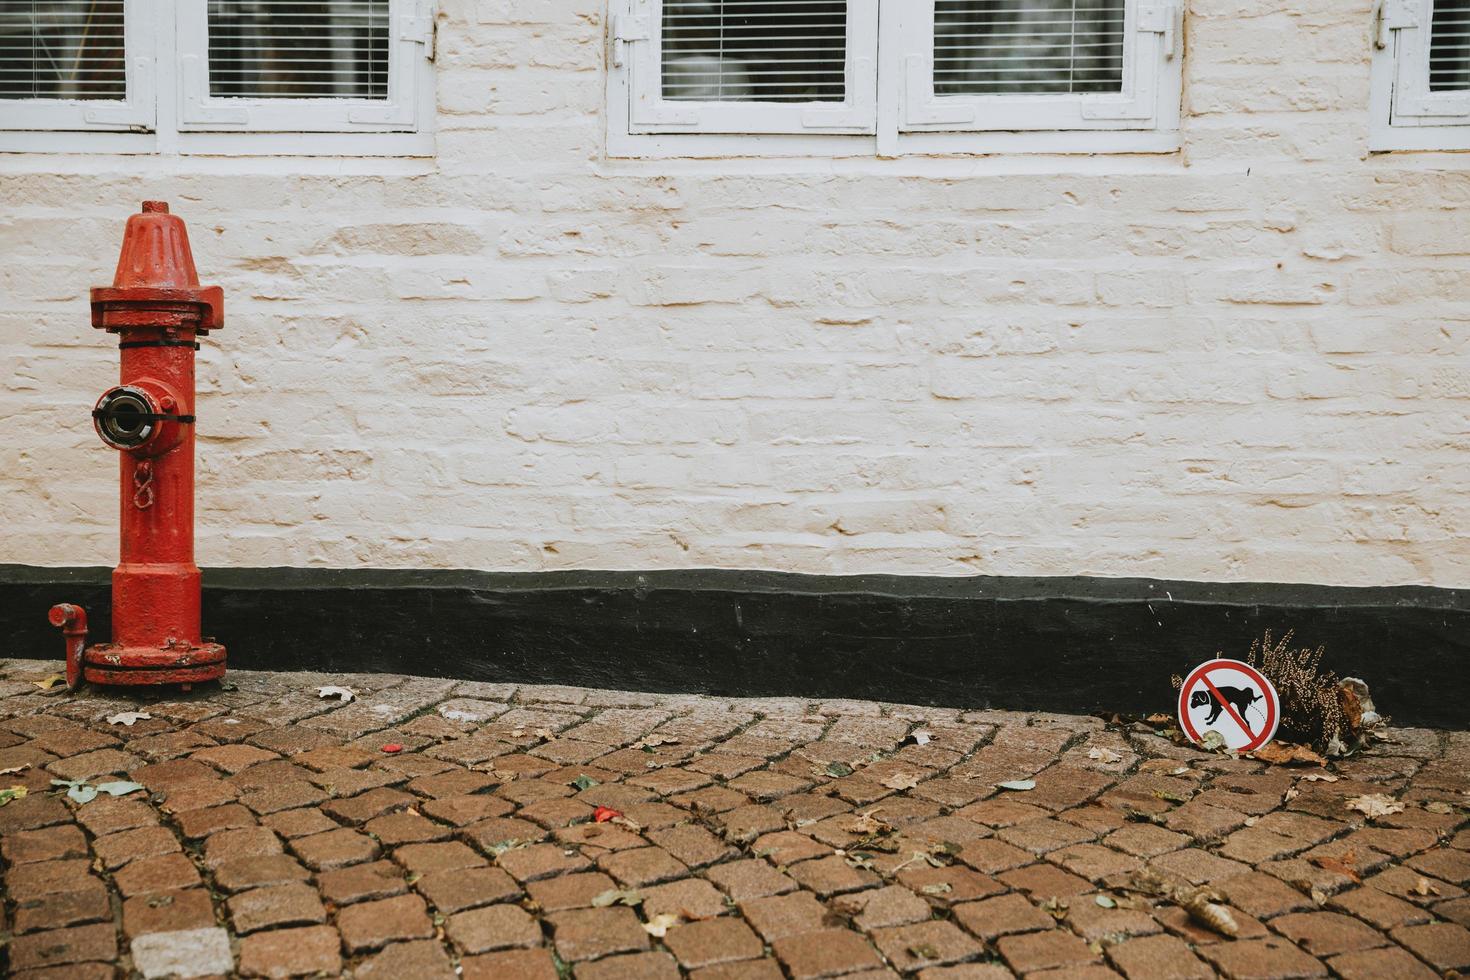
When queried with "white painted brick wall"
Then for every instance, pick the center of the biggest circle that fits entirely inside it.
(1247, 361)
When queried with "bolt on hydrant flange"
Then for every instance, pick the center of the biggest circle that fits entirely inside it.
(157, 308)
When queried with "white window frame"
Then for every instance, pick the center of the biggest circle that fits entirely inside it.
(637, 45)
(168, 109)
(133, 111)
(1406, 115)
(910, 119)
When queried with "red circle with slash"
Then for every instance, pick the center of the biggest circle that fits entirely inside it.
(1212, 678)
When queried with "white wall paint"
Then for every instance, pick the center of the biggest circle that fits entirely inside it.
(1249, 360)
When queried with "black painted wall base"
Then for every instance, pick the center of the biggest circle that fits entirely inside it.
(1055, 644)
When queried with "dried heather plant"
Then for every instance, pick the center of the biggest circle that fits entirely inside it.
(1311, 708)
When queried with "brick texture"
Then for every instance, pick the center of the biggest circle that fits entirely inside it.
(634, 364)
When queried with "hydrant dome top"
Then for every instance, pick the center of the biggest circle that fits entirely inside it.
(156, 266)
(155, 251)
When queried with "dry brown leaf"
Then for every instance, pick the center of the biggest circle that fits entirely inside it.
(1424, 888)
(1375, 805)
(1203, 907)
(1287, 754)
(1340, 865)
(901, 780)
(867, 823)
(1105, 756)
(654, 741)
(659, 925)
(49, 681)
(1320, 777)
(15, 769)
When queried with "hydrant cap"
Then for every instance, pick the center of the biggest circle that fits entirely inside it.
(156, 266)
(155, 252)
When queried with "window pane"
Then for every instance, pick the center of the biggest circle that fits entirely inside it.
(62, 49)
(281, 49)
(754, 50)
(1449, 46)
(1027, 47)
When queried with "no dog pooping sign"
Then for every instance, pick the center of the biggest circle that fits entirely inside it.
(1231, 699)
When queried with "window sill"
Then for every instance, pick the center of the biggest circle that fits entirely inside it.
(220, 144)
(958, 146)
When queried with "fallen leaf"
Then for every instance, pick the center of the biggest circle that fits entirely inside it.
(119, 787)
(1160, 719)
(77, 790)
(940, 888)
(13, 793)
(1375, 805)
(659, 925)
(1424, 888)
(1320, 777)
(345, 694)
(837, 770)
(1105, 756)
(604, 813)
(1291, 793)
(924, 951)
(454, 714)
(49, 681)
(584, 782)
(1437, 806)
(1339, 866)
(544, 733)
(1204, 907)
(901, 781)
(1106, 901)
(654, 741)
(15, 769)
(920, 737)
(867, 823)
(128, 718)
(1019, 785)
(1287, 754)
(1055, 908)
(392, 748)
(626, 824)
(1212, 741)
(615, 896)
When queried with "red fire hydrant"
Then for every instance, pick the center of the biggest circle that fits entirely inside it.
(157, 308)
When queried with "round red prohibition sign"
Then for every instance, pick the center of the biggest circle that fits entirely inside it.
(1241, 705)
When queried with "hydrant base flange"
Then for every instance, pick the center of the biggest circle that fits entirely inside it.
(107, 663)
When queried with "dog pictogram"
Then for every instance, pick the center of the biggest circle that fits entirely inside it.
(1242, 698)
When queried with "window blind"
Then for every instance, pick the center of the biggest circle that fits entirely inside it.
(1449, 46)
(282, 49)
(1026, 47)
(62, 49)
(754, 50)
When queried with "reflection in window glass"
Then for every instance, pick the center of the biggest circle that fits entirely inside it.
(281, 49)
(754, 50)
(62, 49)
(1027, 47)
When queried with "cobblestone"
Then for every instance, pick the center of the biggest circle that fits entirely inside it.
(304, 849)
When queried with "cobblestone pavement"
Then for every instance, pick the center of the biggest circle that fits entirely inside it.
(278, 834)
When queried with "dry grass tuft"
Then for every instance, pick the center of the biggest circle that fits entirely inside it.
(1311, 706)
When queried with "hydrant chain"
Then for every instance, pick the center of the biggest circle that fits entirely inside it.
(143, 480)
